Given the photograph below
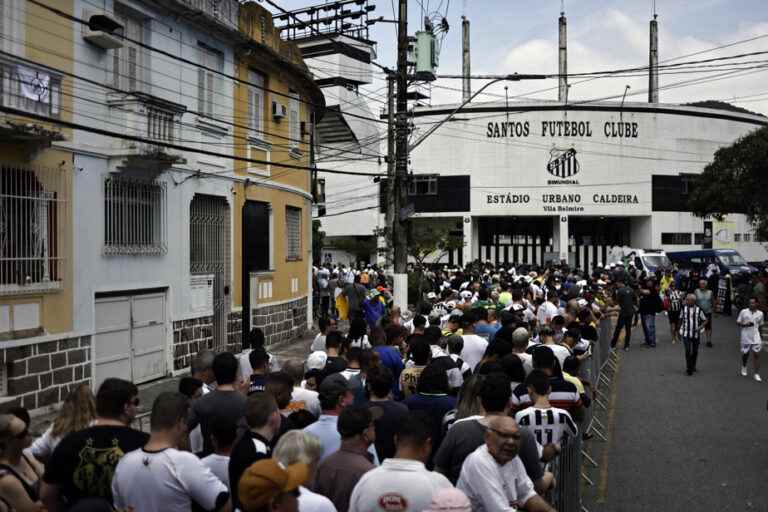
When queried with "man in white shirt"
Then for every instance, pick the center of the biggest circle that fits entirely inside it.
(301, 398)
(161, 478)
(401, 483)
(494, 478)
(750, 319)
(520, 339)
(549, 309)
(474, 345)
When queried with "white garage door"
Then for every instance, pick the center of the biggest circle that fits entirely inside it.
(130, 337)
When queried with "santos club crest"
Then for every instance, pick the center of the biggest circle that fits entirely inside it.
(563, 165)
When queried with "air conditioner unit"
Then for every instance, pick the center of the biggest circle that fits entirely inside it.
(103, 31)
(278, 110)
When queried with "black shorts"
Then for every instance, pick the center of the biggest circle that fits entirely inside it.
(708, 323)
(674, 316)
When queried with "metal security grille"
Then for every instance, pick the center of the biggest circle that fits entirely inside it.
(293, 233)
(3, 381)
(33, 213)
(209, 242)
(134, 216)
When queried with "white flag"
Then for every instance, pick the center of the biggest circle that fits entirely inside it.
(34, 84)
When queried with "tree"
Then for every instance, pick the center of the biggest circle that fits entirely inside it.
(736, 182)
(428, 243)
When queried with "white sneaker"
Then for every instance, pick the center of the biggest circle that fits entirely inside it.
(757, 377)
(743, 371)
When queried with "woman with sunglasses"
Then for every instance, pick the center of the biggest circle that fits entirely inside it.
(19, 482)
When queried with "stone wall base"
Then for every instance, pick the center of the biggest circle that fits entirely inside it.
(281, 322)
(40, 375)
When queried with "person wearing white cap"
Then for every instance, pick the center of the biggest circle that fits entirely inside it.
(449, 500)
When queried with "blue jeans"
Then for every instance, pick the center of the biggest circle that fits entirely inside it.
(649, 329)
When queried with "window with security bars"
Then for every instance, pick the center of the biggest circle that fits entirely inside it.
(256, 103)
(294, 126)
(293, 233)
(134, 216)
(676, 238)
(3, 381)
(129, 71)
(698, 239)
(209, 83)
(33, 210)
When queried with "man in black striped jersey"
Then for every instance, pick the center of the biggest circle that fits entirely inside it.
(692, 321)
(548, 424)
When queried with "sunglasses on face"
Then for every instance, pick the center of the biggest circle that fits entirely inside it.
(135, 402)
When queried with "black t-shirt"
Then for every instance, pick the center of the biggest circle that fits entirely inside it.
(394, 413)
(334, 364)
(83, 463)
(229, 404)
(258, 384)
(250, 448)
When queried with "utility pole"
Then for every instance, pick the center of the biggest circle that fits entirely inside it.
(399, 224)
(391, 210)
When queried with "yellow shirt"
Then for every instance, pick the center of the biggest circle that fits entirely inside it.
(575, 381)
(664, 283)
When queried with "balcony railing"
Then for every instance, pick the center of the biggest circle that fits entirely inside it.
(148, 117)
(223, 11)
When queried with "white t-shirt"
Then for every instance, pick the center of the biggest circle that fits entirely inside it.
(219, 466)
(560, 352)
(302, 398)
(398, 484)
(44, 445)
(312, 502)
(319, 342)
(196, 444)
(361, 343)
(164, 481)
(474, 349)
(547, 311)
(527, 360)
(750, 335)
(491, 487)
(548, 426)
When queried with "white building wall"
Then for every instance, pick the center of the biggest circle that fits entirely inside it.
(173, 81)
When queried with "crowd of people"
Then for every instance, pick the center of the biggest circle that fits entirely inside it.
(460, 402)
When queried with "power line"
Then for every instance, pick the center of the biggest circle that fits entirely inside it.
(192, 112)
(141, 44)
(177, 147)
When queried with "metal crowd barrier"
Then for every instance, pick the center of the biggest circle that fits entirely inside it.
(597, 371)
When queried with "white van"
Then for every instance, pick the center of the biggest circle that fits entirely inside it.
(648, 260)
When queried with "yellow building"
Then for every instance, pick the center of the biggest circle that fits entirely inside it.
(272, 244)
(40, 356)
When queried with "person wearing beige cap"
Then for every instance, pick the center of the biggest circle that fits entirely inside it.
(269, 486)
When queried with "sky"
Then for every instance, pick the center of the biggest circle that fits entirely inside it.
(520, 36)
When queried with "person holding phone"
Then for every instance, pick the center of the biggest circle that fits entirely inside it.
(750, 319)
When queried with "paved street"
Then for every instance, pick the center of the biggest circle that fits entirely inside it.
(680, 443)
